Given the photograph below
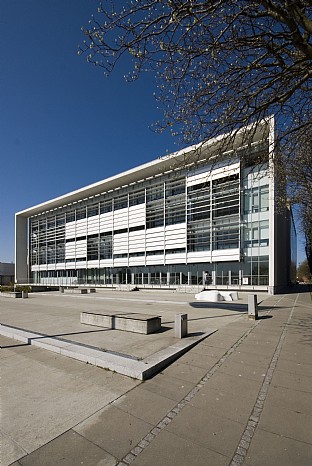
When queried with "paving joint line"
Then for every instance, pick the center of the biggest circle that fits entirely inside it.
(147, 440)
(253, 421)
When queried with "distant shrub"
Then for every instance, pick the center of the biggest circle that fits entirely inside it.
(9, 288)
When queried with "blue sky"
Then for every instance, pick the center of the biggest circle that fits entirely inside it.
(63, 125)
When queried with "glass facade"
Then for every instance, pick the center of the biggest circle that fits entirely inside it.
(169, 230)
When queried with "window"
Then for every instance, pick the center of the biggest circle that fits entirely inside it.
(106, 246)
(93, 247)
(155, 192)
(198, 202)
(198, 237)
(121, 202)
(93, 210)
(70, 216)
(264, 198)
(81, 213)
(106, 206)
(225, 196)
(226, 233)
(137, 197)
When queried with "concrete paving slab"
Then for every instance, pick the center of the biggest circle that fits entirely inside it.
(218, 434)
(295, 367)
(68, 450)
(169, 449)
(223, 340)
(197, 360)
(286, 398)
(248, 371)
(272, 449)
(256, 360)
(257, 348)
(287, 423)
(169, 387)
(210, 351)
(224, 404)
(234, 384)
(114, 430)
(42, 399)
(290, 380)
(156, 406)
(10, 451)
(296, 355)
(185, 372)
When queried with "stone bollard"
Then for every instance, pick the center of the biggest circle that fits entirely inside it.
(24, 294)
(61, 289)
(252, 307)
(180, 325)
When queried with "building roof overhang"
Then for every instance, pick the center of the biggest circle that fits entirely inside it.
(172, 162)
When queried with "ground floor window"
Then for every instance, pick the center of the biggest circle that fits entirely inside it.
(251, 271)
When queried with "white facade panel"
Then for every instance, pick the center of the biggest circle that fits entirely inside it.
(70, 230)
(70, 250)
(140, 260)
(175, 258)
(81, 248)
(106, 263)
(60, 266)
(153, 260)
(224, 171)
(199, 178)
(137, 215)
(120, 219)
(81, 265)
(225, 255)
(121, 262)
(201, 256)
(106, 222)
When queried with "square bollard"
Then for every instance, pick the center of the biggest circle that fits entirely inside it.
(180, 325)
(252, 307)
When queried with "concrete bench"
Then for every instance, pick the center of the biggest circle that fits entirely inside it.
(137, 323)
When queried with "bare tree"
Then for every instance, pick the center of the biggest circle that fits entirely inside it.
(219, 64)
(299, 173)
(303, 272)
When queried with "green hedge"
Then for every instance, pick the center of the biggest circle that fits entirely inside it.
(8, 288)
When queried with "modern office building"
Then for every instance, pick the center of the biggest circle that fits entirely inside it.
(178, 221)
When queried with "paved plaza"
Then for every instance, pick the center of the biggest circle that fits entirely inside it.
(240, 396)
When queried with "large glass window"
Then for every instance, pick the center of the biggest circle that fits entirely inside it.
(226, 233)
(93, 247)
(198, 202)
(106, 246)
(106, 206)
(198, 236)
(121, 202)
(256, 199)
(93, 210)
(137, 197)
(225, 196)
(80, 213)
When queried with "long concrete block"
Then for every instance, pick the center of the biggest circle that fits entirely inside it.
(137, 323)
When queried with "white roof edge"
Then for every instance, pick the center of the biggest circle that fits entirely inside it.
(76, 194)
